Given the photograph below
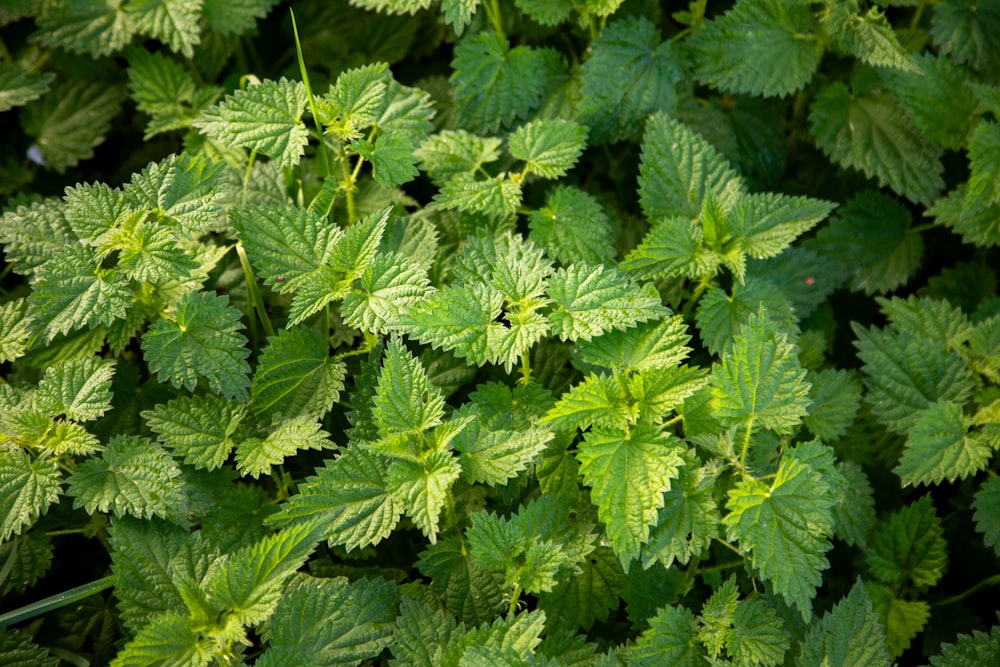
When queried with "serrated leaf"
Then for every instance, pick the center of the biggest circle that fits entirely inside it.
(984, 162)
(589, 301)
(940, 446)
(15, 330)
(348, 497)
(673, 247)
(234, 18)
(864, 128)
(909, 546)
(496, 196)
(902, 619)
(868, 37)
(392, 158)
(496, 85)
(972, 650)
(133, 476)
(168, 640)
(266, 118)
(181, 189)
(255, 456)
(460, 318)
(836, 397)
(657, 392)
(86, 26)
(296, 377)
(549, 148)
(987, 512)
(150, 253)
(200, 339)
(766, 224)
(670, 641)
(471, 592)
(596, 400)
(492, 456)
(405, 402)
(628, 471)
(390, 285)
(654, 344)
(458, 13)
(854, 513)
(424, 488)
(572, 228)
(422, 634)
(785, 528)
(577, 602)
(70, 121)
(720, 315)
(689, 519)
(30, 557)
(630, 74)
(173, 22)
(34, 234)
(79, 390)
(452, 152)
(850, 634)
(905, 375)
(980, 226)
(249, 582)
(759, 636)
(760, 47)
(353, 101)
(27, 489)
(968, 33)
(164, 90)
(200, 428)
(716, 616)
(18, 86)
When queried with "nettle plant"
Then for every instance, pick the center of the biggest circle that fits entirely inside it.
(613, 341)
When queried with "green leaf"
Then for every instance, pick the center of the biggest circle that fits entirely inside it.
(658, 392)
(18, 650)
(654, 344)
(670, 641)
(868, 37)
(173, 22)
(15, 329)
(255, 456)
(353, 101)
(909, 546)
(987, 512)
(589, 301)
(85, 26)
(719, 315)
(628, 471)
(150, 253)
(549, 147)
(980, 227)
(596, 400)
(27, 489)
(458, 13)
(392, 158)
(759, 636)
(836, 397)
(940, 446)
(18, 87)
(331, 621)
(234, 18)
(133, 476)
(34, 234)
(79, 390)
(766, 224)
(71, 120)
(572, 228)
(905, 375)
(673, 247)
(577, 602)
(854, 513)
(717, 615)
(938, 321)
(169, 639)
(422, 634)
(181, 189)
(978, 648)
(460, 318)
(200, 339)
(784, 527)
(72, 292)
(850, 634)
(491, 455)
(677, 170)
(984, 159)
(968, 33)
(349, 497)
(903, 619)
(451, 152)
(200, 428)
(630, 74)
(249, 583)
(760, 381)
(865, 128)
(760, 47)
(546, 12)
(389, 287)
(165, 90)
(405, 402)
(266, 118)
(30, 557)
(296, 377)
(424, 488)
(496, 85)
(498, 196)
(689, 519)
(468, 590)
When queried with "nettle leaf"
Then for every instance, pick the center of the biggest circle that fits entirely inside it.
(546, 12)
(850, 634)
(968, 33)
(580, 601)
(678, 168)
(266, 118)
(331, 620)
(18, 650)
(984, 162)
(255, 456)
(854, 513)
(589, 301)
(630, 74)
(673, 247)
(863, 127)
(296, 377)
(980, 227)
(766, 224)
(628, 471)
(234, 18)
(168, 639)
(422, 634)
(173, 22)
(987, 512)
(27, 489)
(596, 400)
(903, 619)
(349, 498)
(497, 196)
(492, 455)
(200, 338)
(978, 648)
(78, 389)
(655, 344)
(868, 37)
(720, 315)
(165, 91)
(34, 234)
(392, 158)
(405, 402)
(458, 13)
(760, 47)
(150, 253)
(670, 641)
(785, 528)
(451, 152)
(133, 476)
(716, 616)
(758, 636)
(461, 318)
(71, 120)
(354, 100)
(249, 582)
(181, 189)
(389, 287)
(760, 381)
(909, 546)
(18, 86)
(496, 85)
(468, 590)
(689, 519)
(836, 397)
(934, 319)
(549, 147)
(200, 428)
(905, 374)
(424, 488)
(30, 558)
(87, 26)
(72, 292)
(940, 446)
(573, 228)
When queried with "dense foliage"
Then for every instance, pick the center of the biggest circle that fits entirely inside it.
(483, 333)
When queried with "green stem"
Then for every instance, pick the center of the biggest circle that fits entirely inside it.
(347, 184)
(309, 94)
(253, 292)
(492, 8)
(991, 581)
(702, 287)
(746, 445)
(56, 601)
(246, 176)
(526, 368)
(9, 564)
(5, 54)
(514, 598)
(917, 15)
(723, 566)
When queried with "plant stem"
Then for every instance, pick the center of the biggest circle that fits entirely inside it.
(746, 444)
(309, 95)
(492, 8)
(514, 598)
(253, 292)
(990, 581)
(56, 601)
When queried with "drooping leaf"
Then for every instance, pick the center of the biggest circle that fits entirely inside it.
(18, 86)
(255, 456)
(867, 36)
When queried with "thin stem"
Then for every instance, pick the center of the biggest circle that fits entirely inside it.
(723, 566)
(492, 8)
(514, 598)
(703, 285)
(309, 95)
(56, 601)
(253, 292)
(990, 581)
(5, 54)
(917, 15)
(347, 184)
(673, 420)
(525, 368)
(246, 176)
(746, 444)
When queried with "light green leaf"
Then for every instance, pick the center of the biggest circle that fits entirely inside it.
(716, 616)
(785, 528)
(200, 338)
(181, 189)
(657, 392)
(133, 476)
(689, 519)
(452, 152)
(354, 101)
(422, 634)
(460, 318)
(79, 390)
(18, 86)
(766, 224)
(389, 287)
(940, 446)
(150, 253)
(423, 489)
(937, 320)
(165, 90)
(589, 301)
(984, 159)
(546, 12)
(348, 497)
(492, 456)
(972, 650)
(27, 489)
(459, 13)
(980, 226)
(84, 26)
(266, 118)
(255, 456)
(200, 428)
(173, 22)
(673, 247)
(868, 37)
(34, 234)
(405, 402)
(572, 228)
(902, 619)
(15, 329)
(760, 47)
(850, 635)
(596, 400)
(987, 512)
(909, 546)
(630, 74)
(169, 639)
(670, 641)
(654, 344)
(392, 158)
(230, 17)
(759, 636)
(628, 471)
(296, 377)
(549, 148)
(497, 196)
